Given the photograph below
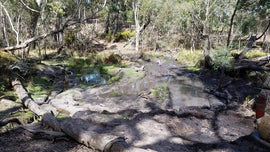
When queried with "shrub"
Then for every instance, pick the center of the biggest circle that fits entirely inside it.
(221, 57)
(127, 34)
(69, 37)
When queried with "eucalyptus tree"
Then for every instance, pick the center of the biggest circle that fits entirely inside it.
(63, 12)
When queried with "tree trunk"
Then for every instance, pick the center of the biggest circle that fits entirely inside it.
(137, 25)
(248, 47)
(5, 32)
(116, 21)
(231, 24)
(107, 24)
(32, 29)
(2, 23)
(264, 41)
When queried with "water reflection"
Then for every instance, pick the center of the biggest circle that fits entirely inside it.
(93, 76)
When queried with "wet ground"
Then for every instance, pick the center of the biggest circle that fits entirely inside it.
(157, 105)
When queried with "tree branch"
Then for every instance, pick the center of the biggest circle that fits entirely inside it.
(31, 9)
(264, 31)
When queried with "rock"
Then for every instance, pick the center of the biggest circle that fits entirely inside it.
(264, 128)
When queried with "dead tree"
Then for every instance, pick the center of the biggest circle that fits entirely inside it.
(250, 43)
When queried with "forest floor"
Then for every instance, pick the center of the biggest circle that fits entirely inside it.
(155, 102)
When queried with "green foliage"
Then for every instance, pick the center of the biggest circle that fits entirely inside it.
(39, 86)
(63, 116)
(69, 37)
(79, 63)
(221, 57)
(192, 68)
(160, 93)
(132, 73)
(249, 25)
(127, 34)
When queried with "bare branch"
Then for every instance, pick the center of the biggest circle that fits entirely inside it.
(31, 9)
(12, 26)
(264, 31)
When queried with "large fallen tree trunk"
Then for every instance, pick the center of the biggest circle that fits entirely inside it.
(252, 67)
(78, 129)
(255, 64)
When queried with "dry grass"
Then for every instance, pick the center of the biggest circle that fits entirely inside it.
(189, 58)
(252, 53)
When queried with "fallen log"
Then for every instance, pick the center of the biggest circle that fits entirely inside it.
(10, 120)
(251, 67)
(262, 58)
(78, 129)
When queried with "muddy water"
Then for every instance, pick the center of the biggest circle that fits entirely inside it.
(93, 76)
(183, 93)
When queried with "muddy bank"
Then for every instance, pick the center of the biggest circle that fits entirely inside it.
(160, 106)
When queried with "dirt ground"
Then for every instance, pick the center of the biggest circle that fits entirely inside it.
(158, 106)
